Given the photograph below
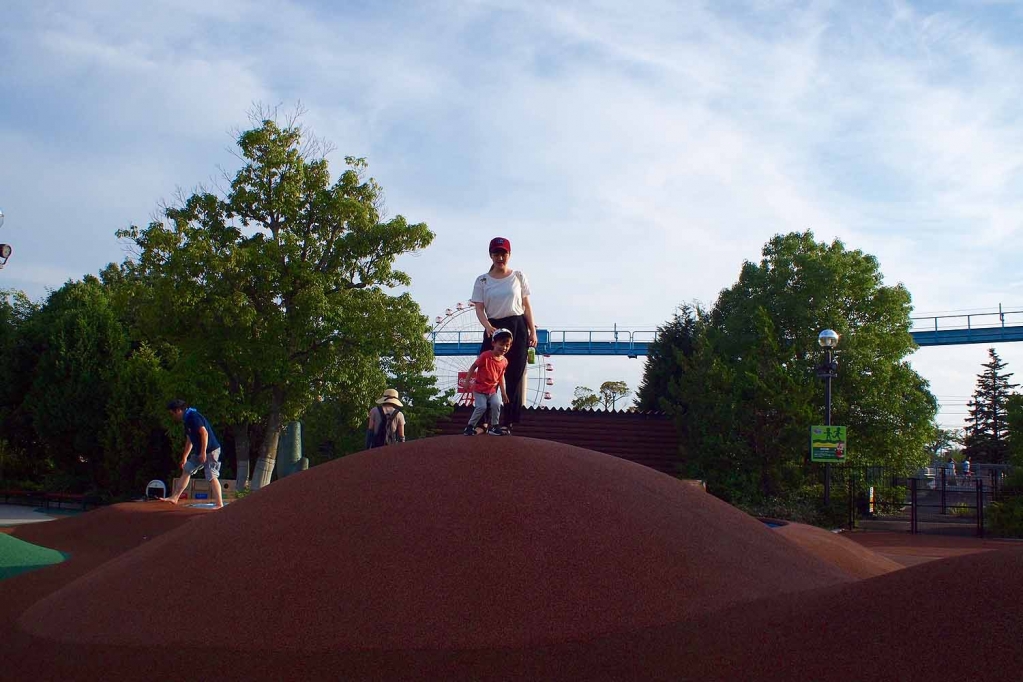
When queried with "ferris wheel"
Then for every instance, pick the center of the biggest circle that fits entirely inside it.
(459, 324)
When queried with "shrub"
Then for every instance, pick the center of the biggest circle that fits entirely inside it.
(961, 509)
(1012, 484)
(1006, 516)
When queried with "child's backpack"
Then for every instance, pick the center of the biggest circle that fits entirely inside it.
(385, 435)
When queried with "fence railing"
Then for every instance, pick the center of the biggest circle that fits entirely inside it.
(933, 497)
(977, 320)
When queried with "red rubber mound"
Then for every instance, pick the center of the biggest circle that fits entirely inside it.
(838, 549)
(449, 544)
(959, 618)
(108, 530)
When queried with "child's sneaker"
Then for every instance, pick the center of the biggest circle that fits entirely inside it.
(496, 431)
(469, 431)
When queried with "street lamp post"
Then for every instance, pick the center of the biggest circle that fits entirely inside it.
(828, 340)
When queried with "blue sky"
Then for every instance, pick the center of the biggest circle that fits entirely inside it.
(634, 153)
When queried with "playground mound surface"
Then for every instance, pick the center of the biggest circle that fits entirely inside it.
(459, 558)
(837, 549)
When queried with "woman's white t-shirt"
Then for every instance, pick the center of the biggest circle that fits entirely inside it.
(501, 297)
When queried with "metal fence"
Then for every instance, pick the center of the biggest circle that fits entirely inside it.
(932, 500)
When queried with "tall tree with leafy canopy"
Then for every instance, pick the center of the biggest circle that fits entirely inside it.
(675, 340)
(19, 454)
(278, 292)
(76, 345)
(584, 398)
(613, 391)
(746, 397)
(987, 427)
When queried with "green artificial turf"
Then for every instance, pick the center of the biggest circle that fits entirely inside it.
(18, 556)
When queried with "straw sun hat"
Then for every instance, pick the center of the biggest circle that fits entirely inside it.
(390, 397)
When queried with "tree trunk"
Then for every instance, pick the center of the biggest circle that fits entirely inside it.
(242, 448)
(268, 450)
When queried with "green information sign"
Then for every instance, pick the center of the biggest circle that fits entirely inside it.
(827, 444)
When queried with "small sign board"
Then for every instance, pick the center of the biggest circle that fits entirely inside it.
(464, 385)
(827, 444)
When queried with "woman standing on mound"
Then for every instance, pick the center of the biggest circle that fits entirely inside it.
(501, 298)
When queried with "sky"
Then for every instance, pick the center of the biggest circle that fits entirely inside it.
(634, 153)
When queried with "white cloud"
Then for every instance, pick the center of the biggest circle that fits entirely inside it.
(635, 154)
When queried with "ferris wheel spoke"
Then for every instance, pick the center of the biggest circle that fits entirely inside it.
(459, 324)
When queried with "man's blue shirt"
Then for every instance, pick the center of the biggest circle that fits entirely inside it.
(193, 420)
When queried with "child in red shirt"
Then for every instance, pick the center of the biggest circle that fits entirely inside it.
(488, 371)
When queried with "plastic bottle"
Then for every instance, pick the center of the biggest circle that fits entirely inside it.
(531, 356)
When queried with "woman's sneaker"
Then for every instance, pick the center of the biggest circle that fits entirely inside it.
(497, 431)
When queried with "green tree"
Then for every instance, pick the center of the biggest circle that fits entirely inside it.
(77, 345)
(1014, 423)
(425, 404)
(675, 340)
(333, 428)
(136, 446)
(987, 428)
(611, 392)
(585, 399)
(944, 443)
(19, 456)
(278, 293)
(746, 396)
(607, 396)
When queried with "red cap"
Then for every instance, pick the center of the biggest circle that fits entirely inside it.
(500, 244)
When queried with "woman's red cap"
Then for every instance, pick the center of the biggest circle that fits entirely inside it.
(500, 244)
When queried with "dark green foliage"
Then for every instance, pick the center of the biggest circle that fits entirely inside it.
(83, 410)
(20, 457)
(79, 345)
(334, 428)
(744, 387)
(675, 341)
(987, 428)
(1014, 422)
(425, 405)
(137, 448)
(1005, 517)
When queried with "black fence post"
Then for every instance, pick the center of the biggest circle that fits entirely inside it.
(980, 507)
(943, 472)
(852, 499)
(912, 506)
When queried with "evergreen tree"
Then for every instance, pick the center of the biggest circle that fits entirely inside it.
(675, 339)
(987, 427)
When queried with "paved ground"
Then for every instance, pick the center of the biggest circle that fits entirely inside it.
(15, 515)
(909, 550)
